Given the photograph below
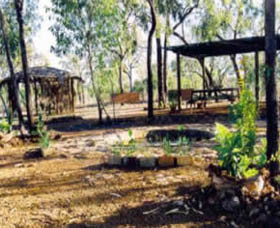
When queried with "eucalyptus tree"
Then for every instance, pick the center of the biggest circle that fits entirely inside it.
(19, 10)
(85, 28)
(14, 14)
(228, 19)
(175, 12)
(124, 41)
(149, 58)
(13, 86)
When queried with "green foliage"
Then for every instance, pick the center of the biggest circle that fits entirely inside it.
(237, 149)
(42, 132)
(5, 126)
(167, 146)
(125, 148)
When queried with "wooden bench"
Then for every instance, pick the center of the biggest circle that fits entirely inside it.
(126, 98)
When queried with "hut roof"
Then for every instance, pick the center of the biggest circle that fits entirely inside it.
(38, 73)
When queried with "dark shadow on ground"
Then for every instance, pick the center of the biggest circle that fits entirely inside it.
(78, 124)
(160, 213)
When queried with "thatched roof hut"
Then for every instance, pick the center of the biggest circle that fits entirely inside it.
(54, 90)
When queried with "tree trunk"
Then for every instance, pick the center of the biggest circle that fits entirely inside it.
(235, 66)
(270, 79)
(159, 73)
(93, 85)
(120, 75)
(210, 82)
(257, 79)
(130, 78)
(12, 86)
(165, 57)
(179, 93)
(149, 61)
(19, 9)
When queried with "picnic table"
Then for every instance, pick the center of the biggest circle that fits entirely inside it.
(202, 97)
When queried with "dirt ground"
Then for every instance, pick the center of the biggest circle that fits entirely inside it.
(71, 187)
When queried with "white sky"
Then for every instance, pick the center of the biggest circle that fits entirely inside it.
(44, 39)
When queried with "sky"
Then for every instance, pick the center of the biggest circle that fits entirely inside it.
(44, 39)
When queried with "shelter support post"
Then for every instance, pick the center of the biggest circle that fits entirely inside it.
(36, 97)
(257, 81)
(179, 81)
(203, 78)
(73, 96)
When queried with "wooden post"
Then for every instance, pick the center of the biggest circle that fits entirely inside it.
(36, 97)
(179, 81)
(270, 79)
(73, 95)
(257, 81)
(204, 82)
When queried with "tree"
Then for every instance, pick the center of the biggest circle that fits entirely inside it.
(86, 29)
(19, 10)
(13, 87)
(270, 78)
(124, 43)
(223, 20)
(149, 60)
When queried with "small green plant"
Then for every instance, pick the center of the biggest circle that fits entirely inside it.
(131, 143)
(172, 105)
(237, 150)
(180, 128)
(167, 146)
(117, 149)
(126, 148)
(42, 132)
(5, 127)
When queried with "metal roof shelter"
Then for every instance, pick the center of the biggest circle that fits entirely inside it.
(224, 47)
(221, 48)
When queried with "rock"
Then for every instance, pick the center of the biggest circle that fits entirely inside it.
(90, 143)
(20, 165)
(261, 219)
(57, 137)
(34, 154)
(255, 187)
(232, 204)
(254, 212)
(63, 156)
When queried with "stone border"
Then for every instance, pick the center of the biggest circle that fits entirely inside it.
(164, 161)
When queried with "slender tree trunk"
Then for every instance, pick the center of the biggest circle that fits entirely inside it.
(121, 75)
(93, 85)
(235, 66)
(12, 86)
(149, 61)
(19, 9)
(270, 78)
(257, 78)
(159, 73)
(130, 79)
(210, 82)
(165, 57)
(179, 93)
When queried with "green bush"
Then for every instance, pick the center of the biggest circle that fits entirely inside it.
(5, 127)
(42, 132)
(237, 150)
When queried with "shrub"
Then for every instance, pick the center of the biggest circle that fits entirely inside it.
(237, 150)
(42, 132)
